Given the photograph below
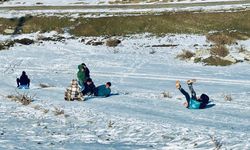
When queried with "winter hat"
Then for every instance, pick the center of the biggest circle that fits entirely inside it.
(89, 80)
(108, 83)
(204, 97)
(83, 64)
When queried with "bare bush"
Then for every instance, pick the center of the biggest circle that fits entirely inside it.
(58, 111)
(24, 99)
(110, 124)
(216, 142)
(185, 55)
(219, 50)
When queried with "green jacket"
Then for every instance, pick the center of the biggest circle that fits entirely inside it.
(102, 91)
(81, 75)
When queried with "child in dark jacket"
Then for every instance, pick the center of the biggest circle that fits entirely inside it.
(89, 87)
(193, 102)
(23, 80)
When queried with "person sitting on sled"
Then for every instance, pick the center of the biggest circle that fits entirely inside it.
(103, 90)
(89, 87)
(193, 102)
(23, 80)
(73, 92)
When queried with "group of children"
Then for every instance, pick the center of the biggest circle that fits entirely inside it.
(85, 86)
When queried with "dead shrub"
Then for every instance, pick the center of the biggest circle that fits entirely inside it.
(219, 50)
(216, 142)
(220, 38)
(228, 97)
(113, 42)
(24, 99)
(110, 124)
(216, 61)
(185, 55)
(58, 111)
(24, 41)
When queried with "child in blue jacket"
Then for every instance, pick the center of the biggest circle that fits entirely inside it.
(193, 102)
(103, 90)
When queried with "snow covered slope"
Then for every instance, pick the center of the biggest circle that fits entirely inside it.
(138, 118)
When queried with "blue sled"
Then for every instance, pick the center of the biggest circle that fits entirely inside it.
(23, 87)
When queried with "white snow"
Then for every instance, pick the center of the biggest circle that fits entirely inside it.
(138, 118)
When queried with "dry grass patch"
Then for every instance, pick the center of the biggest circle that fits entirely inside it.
(185, 55)
(216, 61)
(221, 39)
(219, 50)
(24, 99)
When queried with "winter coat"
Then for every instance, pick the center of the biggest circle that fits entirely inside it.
(81, 75)
(23, 80)
(194, 104)
(102, 91)
(87, 72)
(88, 89)
(73, 92)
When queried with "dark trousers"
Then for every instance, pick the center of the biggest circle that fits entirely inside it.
(187, 96)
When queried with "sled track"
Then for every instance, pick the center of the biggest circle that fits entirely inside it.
(147, 76)
(172, 78)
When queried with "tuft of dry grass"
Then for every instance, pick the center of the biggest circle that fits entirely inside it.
(185, 55)
(221, 38)
(228, 97)
(216, 61)
(219, 50)
(216, 142)
(58, 111)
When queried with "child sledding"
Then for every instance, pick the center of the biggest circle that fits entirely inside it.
(23, 82)
(193, 102)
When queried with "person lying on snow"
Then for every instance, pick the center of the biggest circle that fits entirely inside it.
(103, 90)
(82, 74)
(23, 80)
(89, 87)
(73, 92)
(193, 102)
